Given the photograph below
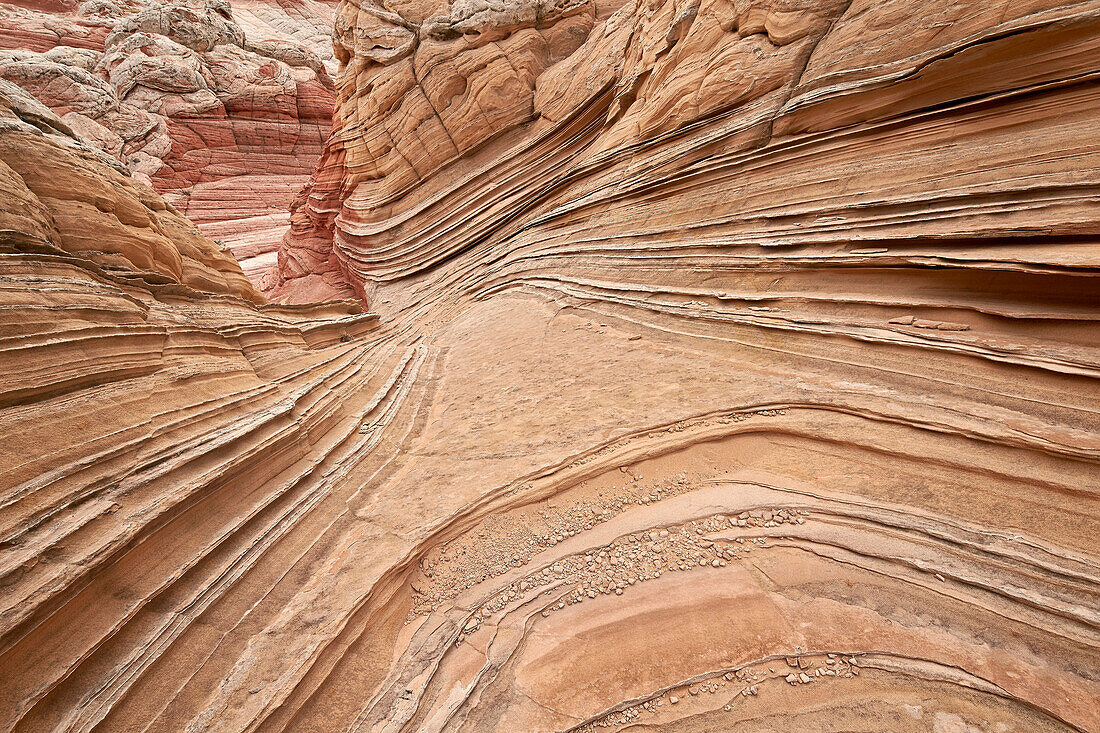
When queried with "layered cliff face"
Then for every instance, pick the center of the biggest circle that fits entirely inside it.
(720, 127)
(63, 196)
(222, 110)
(143, 380)
(735, 368)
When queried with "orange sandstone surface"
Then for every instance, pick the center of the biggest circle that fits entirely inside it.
(679, 365)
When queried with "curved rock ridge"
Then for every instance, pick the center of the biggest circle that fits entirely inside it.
(734, 368)
(226, 124)
(720, 125)
(143, 380)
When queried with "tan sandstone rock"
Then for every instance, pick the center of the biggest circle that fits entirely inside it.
(730, 365)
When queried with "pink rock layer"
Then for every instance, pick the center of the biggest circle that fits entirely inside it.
(187, 98)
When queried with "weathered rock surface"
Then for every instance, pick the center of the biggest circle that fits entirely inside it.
(735, 368)
(226, 119)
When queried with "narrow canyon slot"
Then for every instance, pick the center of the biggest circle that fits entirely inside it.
(550, 365)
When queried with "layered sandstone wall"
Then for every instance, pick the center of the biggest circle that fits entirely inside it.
(223, 113)
(735, 368)
(63, 195)
(142, 376)
(807, 125)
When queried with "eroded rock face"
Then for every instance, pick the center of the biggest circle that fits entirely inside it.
(126, 339)
(735, 368)
(463, 122)
(63, 195)
(226, 124)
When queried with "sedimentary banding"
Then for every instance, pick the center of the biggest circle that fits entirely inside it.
(712, 366)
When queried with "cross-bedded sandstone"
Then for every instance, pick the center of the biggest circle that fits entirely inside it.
(734, 368)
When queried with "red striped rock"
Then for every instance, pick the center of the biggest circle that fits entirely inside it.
(181, 96)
